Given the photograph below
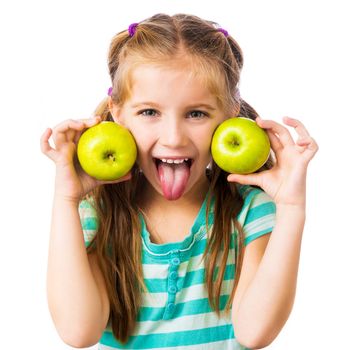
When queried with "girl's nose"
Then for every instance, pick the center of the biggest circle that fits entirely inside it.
(173, 134)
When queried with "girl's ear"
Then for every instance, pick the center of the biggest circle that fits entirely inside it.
(115, 111)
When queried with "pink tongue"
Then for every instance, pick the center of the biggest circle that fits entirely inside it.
(173, 178)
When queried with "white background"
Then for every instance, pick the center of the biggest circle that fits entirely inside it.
(53, 67)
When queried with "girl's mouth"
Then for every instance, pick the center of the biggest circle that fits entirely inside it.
(175, 161)
(173, 175)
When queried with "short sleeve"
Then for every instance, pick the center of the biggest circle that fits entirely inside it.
(258, 214)
(89, 221)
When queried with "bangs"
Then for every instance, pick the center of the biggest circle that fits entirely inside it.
(208, 72)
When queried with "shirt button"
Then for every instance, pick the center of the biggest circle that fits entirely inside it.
(172, 289)
(171, 307)
(175, 261)
(173, 275)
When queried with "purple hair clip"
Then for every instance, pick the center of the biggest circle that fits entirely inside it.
(110, 91)
(132, 29)
(223, 31)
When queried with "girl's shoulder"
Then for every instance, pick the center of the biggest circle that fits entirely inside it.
(257, 215)
(256, 202)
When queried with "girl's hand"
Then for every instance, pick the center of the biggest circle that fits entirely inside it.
(286, 181)
(72, 182)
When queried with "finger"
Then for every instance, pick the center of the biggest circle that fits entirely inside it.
(126, 177)
(304, 141)
(92, 121)
(67, 125)
(274, 141)
(45, 145)
(88, 123)
(250, 179)
(66, 131)
(60, 132)
(298, 126)
(282, 132)
(310, 148)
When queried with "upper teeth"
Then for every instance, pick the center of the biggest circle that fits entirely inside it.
(176, 161)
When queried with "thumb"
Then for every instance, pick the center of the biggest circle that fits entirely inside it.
(250, 179)
(121, 179)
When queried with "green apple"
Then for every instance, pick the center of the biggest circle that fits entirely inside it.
(106, 151)
(240, 146)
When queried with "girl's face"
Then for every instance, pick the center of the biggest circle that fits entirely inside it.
(172, 117)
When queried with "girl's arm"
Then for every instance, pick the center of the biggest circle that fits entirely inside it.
(76, 291)
(265, 294)
(266, 289)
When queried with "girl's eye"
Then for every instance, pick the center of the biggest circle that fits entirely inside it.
(148, 112)
(198, 114)
(152, 113)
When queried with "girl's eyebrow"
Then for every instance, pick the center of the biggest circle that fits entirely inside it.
(155, 105)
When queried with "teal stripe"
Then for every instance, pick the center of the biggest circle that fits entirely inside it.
(256, 235)
(89, 223)
(193, 307)
(198, 277)
(244, 190)
(85, 204)
(260, 211)
(161, 340)
(148, 259)
(156, 285)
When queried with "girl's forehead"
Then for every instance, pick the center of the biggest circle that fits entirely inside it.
(155, 79)
(149, 72)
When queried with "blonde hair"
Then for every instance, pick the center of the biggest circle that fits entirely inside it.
(217, 60)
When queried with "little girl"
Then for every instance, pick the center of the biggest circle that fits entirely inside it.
(178, 253)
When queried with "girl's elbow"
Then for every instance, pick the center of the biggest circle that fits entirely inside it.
(253, 343)
(79, 342)
(79, 338)
(253, 340)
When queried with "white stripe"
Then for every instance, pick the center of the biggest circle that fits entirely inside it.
(259, 225)
(87, 212)
(155, 271)
(191, 293)
(89, 235)
(260, 198)
(154, 299)
(183, 323)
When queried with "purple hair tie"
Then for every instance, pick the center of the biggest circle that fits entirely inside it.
(223, 31)
(110, 91)
(132, 29)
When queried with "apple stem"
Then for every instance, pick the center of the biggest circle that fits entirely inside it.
(235, 143)
(111, 157)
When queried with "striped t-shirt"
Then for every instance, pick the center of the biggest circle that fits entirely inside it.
(175, 312)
